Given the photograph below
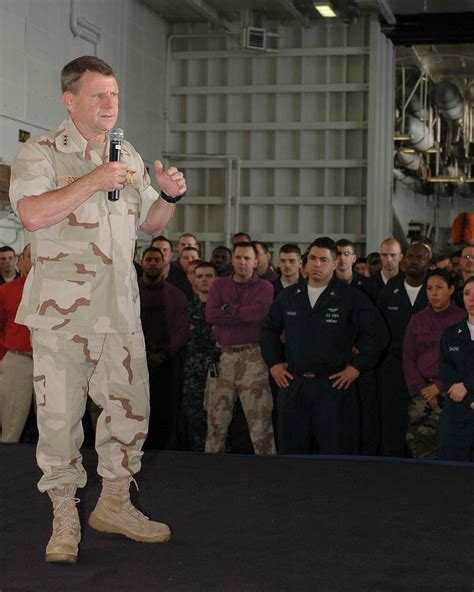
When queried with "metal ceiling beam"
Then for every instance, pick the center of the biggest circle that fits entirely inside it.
(206, 11)
(381, 6)
(294, 12)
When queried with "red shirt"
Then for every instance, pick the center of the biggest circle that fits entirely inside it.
(12, 335)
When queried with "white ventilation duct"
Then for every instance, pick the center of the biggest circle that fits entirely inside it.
(413, 183)
(415, 106)
(448, 98)
(411, 160)
(421, 134)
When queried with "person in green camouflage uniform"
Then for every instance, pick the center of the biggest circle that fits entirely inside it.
(199, 354)
(81, 301)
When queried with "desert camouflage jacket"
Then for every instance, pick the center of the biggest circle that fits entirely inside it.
(83, 277)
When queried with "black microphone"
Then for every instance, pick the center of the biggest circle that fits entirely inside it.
(115, 152)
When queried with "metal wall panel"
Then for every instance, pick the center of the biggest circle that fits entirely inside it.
(296, 126)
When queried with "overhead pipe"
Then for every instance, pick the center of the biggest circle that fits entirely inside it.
(449, 100)
(411, 161)
(414, 183)
(83, 29)
(421, 134)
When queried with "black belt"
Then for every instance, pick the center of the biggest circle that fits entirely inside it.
(312, 374)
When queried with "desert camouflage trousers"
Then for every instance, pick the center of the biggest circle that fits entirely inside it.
(243, 374)
(422, 432)
(16, 390)
(110, 368)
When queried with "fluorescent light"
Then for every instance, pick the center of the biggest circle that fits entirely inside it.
(325, 9)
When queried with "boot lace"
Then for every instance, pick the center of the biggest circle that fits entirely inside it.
(65, 512)
(132, 509)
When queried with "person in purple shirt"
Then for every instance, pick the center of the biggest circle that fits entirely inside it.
(236, 307)
(165, 321)
(421, 349)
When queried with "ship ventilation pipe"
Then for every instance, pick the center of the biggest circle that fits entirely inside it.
(411, 161)
(421, 135)
(413, 183)
(415, 106)
(448, 98)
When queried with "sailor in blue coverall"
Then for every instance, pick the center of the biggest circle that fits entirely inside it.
(317, 400)
(397, 307)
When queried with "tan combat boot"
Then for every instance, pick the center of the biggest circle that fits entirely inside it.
(114, 512)
(63, 545)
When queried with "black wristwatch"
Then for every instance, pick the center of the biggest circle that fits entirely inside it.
(169, 199)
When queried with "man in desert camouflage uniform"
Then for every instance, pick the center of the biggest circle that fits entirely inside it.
(81, 302)
(236, 307)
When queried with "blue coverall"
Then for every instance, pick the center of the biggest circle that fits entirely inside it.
(319, 341)
(456, 431)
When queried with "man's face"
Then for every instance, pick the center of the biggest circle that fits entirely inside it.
(220, 258)
(186, 241)
(417, 260)
(186, 257)
(244, 262)
(94, 108)
(190, 273)
(203, 279)
(289, 264)
(456, 265)
(165, 248)
(152, 264)
(362, 268)
(345, 258)
(444, 264)
(467, 262)
(391, 255)
(374, 265)
(263, 259)
(24, 262)
(320, 266)
(7, 261)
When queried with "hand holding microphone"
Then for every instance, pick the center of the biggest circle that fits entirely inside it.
(115, 153)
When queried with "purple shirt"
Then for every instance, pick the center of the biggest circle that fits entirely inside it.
(422, 345)
(242, 320)
(164, 315)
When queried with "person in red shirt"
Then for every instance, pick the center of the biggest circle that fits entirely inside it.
(16, 366)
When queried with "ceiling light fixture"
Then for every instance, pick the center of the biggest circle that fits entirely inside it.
(325, 9)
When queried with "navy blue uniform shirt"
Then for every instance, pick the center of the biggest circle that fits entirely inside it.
(457, 357)
(398, 310)
(321, 339)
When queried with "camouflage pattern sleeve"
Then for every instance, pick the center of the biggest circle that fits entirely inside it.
(32, 170)
(148, 193)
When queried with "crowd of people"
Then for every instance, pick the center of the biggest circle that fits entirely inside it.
(326, 352)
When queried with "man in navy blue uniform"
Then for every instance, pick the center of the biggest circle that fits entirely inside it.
(367, 382)
(346, 257)
(401, 298)
(322, 321)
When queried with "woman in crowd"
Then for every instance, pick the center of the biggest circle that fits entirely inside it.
(421, 363)
(456, 437)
